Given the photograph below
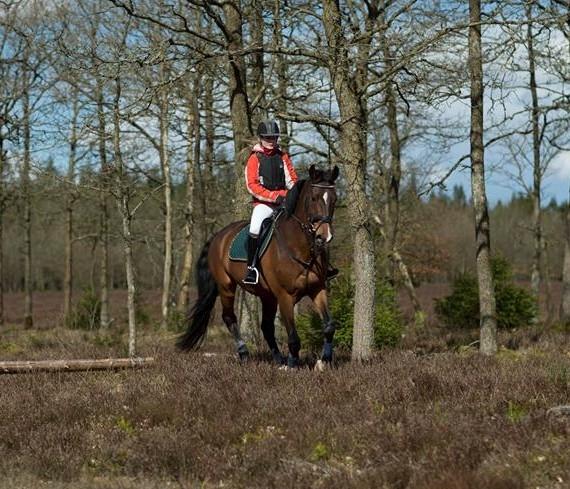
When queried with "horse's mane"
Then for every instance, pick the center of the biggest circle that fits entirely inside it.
(317, 176)
(293, 196)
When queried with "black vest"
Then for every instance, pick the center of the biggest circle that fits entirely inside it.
(271, 171)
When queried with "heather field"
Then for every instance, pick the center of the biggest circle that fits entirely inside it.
(432, 414)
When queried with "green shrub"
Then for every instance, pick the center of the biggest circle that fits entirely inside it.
(515, 306)
(387, 327)
(87, 312)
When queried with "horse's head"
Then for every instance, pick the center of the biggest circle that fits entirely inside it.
(320, 202)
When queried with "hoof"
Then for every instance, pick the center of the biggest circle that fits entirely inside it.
(243, 356)
(320, 366)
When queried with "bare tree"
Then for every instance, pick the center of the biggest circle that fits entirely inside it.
(487, 308)
(163, 120)
(192, 162)
(70, 199)
(353, 114)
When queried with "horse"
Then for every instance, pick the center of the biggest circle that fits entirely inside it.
(293, 266)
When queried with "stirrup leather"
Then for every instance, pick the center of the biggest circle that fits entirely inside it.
(252, 276)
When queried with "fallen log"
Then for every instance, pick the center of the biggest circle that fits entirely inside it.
(73, 365)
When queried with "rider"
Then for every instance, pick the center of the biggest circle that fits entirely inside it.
(269, 174)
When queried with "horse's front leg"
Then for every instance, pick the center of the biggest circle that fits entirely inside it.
(287, 309)
(320, 300)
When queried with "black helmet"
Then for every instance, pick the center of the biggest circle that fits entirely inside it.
(268, 128)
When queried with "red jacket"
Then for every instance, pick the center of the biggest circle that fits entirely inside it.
(255, 188)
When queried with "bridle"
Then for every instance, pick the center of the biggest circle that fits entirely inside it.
(316, 244)
(307, 226)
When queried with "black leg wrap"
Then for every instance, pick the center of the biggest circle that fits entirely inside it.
(292, 362)
(243, 352)
(277, 357)
(327, 352)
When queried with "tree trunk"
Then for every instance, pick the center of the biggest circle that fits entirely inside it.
(242, 132)
(69, 201)
(239, 103)
(28, 302)
(73, 365)
(565, 299)
(2, 209)
(394, 179)
(536, 273)
(488, 339)
(281, 72)
(353, 162)
(167, 182)
(104, 208)
(192, 162)
(256, 78)
(209, 139)
(123, 194)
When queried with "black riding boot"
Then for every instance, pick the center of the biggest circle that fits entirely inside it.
(332, 272)
(252, 275)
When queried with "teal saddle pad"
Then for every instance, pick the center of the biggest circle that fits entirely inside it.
(238, 248)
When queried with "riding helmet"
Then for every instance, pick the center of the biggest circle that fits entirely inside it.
(268, 128)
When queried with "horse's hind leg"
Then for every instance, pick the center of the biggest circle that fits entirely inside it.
(227, 297)
(269, 309)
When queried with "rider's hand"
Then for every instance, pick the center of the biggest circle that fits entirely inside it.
(280, 200)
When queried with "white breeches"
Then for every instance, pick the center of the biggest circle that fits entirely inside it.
(260, 212)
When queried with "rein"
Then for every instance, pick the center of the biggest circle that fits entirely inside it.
(316, 245)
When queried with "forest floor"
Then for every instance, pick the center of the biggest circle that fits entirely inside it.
(431, 414)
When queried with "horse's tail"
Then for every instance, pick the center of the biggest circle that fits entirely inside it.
(200, 314)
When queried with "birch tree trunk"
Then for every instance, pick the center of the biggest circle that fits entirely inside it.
(536, 273)
(353, 153)
(123, 201)
(192, 162)
(27, 204)
(488, 338)
(167, 182)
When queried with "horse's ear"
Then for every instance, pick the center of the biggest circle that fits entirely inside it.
(335, 173)
(313, 173)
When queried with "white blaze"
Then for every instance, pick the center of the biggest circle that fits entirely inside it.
(329, 234)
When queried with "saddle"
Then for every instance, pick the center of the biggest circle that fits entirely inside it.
(238, 248)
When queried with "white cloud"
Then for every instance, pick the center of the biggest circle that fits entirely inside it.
(560, 166)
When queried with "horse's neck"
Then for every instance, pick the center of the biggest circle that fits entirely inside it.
(295, 236)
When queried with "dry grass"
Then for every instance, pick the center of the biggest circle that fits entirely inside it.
(405, 420)
(431, 415)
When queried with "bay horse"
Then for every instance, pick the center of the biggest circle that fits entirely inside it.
(293, 266)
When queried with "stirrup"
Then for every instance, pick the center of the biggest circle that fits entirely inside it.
(252, 276)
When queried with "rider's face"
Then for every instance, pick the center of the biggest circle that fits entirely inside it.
(269, 142)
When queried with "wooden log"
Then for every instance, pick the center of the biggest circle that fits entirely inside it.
(73, 365)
